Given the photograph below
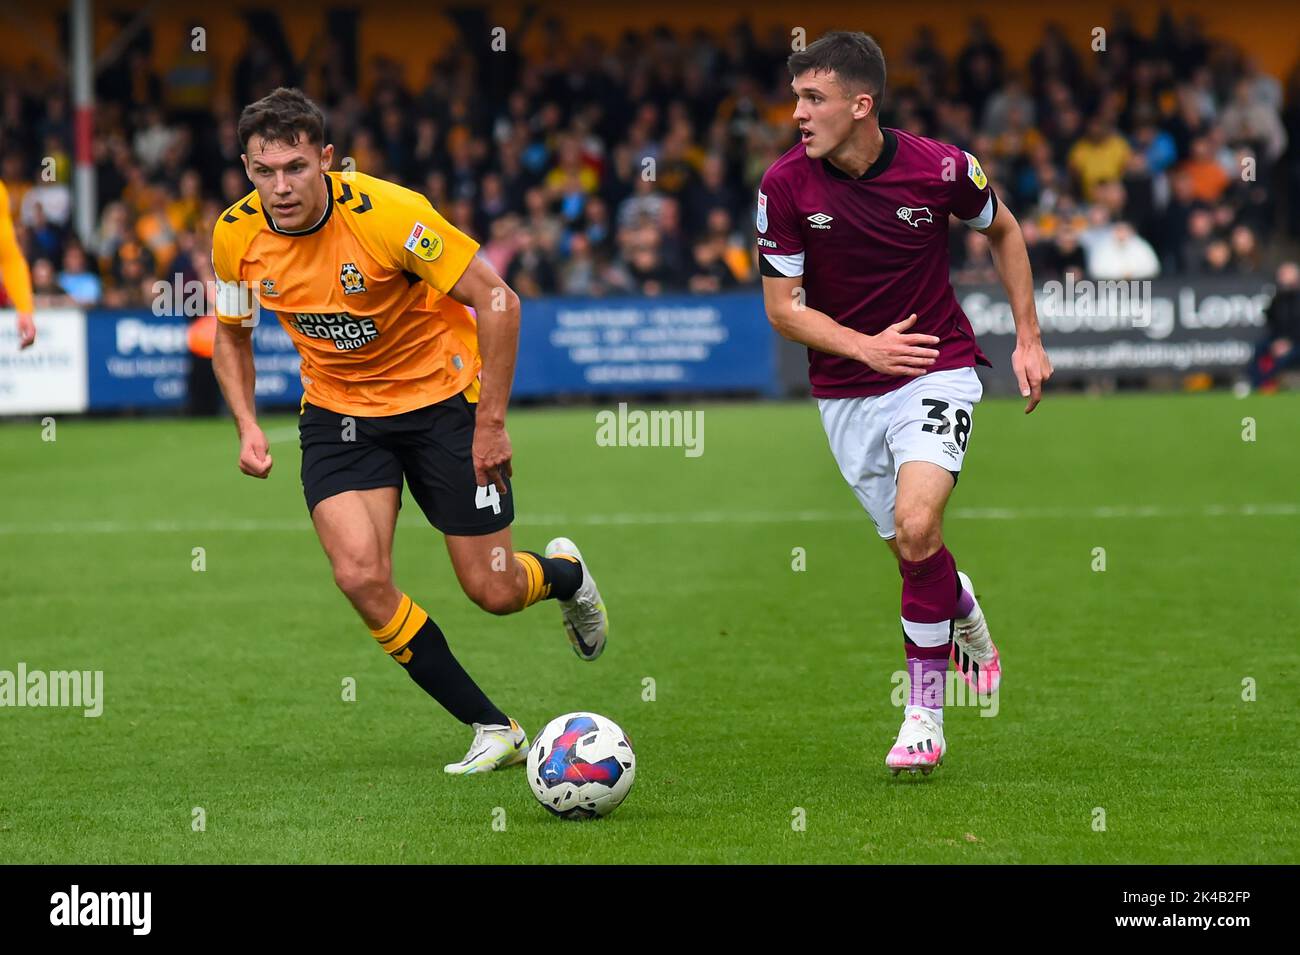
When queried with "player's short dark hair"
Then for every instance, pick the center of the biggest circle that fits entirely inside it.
(282, 116)
(855, 58)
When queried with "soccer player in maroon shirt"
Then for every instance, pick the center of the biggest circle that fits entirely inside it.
(852, 231)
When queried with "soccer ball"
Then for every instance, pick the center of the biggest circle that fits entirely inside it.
(581, 766)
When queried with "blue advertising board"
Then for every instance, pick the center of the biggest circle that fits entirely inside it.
(698, 343)
(140, 360)
(702, 343)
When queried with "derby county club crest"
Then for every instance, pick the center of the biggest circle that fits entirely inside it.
(351, 279)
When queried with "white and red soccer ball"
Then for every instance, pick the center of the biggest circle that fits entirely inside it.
(581, 766)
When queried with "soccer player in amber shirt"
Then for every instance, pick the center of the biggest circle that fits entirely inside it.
(852, 231)
(402, 382)
(14, 273)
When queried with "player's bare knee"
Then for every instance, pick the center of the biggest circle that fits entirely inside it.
(359, 578)
(918, 534)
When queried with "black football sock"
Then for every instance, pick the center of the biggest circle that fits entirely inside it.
(559, 576)
(415, 641)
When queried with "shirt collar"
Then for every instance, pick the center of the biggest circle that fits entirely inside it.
(882, 162)
(329, 207)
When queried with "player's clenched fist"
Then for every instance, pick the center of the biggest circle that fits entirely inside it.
(895, 352)
(254, 453)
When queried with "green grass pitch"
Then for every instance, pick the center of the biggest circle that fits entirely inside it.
(1123, 688)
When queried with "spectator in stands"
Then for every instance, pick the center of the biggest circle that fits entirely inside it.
(1100, 156)
(926, 61)
(1218, 260)
(1054, 60)
(1174, 223)
(595, 225)
(642, 206)
(709, 272)
(81, 284)
(578, 270)
(502, 242)
(1009, 110)
(977, 266)
(1208, 177)
(1245, 250)
(46, 290)
(1066, 254)
(1254, 122)
(51, 199)
(1279, 349)
(1156, 147)
(649, 274)
(1122, 254)
(979, 67)
(734, 249)
(1139, 196)
(531, 272)
(1200, 234)
(711, 191)
(44, 238)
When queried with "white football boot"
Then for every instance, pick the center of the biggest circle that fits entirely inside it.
(585, 619)
(973, 652)
(920, 745)
(494, 747)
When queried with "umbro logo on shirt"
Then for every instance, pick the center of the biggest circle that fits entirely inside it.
(820, 220)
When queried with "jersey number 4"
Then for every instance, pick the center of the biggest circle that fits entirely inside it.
(488, 496)
(938, 423)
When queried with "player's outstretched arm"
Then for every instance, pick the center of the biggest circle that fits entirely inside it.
(893, 352)
(1029, 360)
(232, 362)
(16, 276)
(497, 309)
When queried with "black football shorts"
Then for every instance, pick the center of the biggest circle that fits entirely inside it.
(430, 447)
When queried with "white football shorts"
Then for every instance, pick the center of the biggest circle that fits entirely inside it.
(928, 419)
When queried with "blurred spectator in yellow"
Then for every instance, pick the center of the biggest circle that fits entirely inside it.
(1100, 156)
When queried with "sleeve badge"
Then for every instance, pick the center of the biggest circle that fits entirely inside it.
(424, 243)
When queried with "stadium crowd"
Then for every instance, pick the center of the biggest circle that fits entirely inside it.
(631, 167)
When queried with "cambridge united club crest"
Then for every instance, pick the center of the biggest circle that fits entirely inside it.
(351, 279)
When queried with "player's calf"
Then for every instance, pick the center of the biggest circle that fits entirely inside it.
(502, 580)
(415, 641)
(498, 593)
(521, 582)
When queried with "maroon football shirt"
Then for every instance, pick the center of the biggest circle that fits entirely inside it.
(873, 250)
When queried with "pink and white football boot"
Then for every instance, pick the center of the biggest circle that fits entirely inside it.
(920, 744)
(973, 652)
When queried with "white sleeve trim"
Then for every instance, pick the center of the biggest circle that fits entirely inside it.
(984, 219)
(790, 266)
(233, 300)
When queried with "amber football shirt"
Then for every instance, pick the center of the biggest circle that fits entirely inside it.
(363, 294)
